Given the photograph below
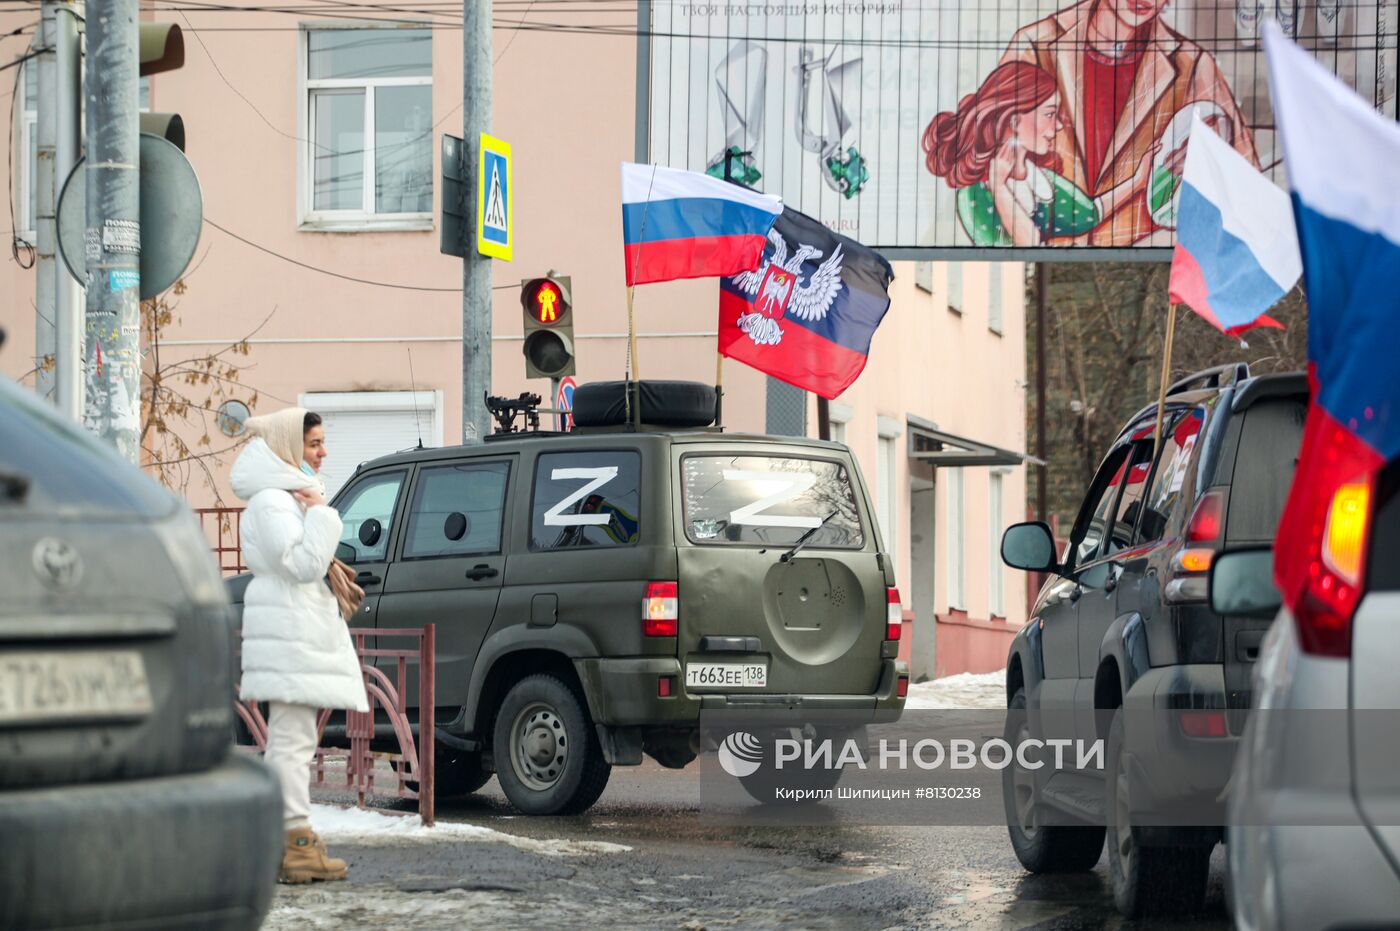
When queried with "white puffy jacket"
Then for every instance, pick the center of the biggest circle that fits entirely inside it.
(296, 648)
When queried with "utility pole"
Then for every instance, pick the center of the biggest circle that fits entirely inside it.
(113, 246)
(1042, 490)
(45, 203)
(476, 268)
(68, 358)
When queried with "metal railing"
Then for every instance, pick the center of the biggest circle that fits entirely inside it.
(408, 771)
(221, 528)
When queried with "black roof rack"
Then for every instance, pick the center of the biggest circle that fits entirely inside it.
(1217, 377)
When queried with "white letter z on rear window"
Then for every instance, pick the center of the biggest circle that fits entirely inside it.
(596, 478)
(781, 486)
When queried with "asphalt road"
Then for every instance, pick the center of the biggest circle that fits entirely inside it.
(686, 871)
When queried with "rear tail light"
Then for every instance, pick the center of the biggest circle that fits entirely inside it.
(661, 609)
(894, 616)
(1194, 559)
(1203, 723)
(665, 686)
(1190, 564)
(1333, 587)
(1208, 519)
(903, 687)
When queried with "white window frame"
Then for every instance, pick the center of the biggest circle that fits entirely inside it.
(839, 415)
(923, 276)
(996, 601)
(996, 296)
(887, 463)
(957, 539)
(956, 294)
(365, 219)
(426, 404)
(26, 130)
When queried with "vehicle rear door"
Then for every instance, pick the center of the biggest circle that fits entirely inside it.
(449, 566)
(1375, 659)
(815, 623)
(1270, 436)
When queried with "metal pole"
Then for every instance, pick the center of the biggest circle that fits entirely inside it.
(68, 149)
(45, 332)
(476, 268)
(1042, 492)
(113, 246)
(1166, 379)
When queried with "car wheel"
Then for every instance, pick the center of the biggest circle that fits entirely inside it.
(547, 755)
(455, 773)
(1041, 848)
(1146, 880)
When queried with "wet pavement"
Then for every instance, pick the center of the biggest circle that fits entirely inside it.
(685, 871)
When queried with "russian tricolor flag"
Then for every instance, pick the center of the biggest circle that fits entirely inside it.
(682, 224)
(1343, 162)
(1236, 252)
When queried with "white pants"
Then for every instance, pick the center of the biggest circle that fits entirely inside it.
(291, 745)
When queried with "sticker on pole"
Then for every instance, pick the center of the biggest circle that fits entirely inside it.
(564, 401)
(493, 200)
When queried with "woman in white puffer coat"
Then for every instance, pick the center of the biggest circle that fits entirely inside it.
(297, 653)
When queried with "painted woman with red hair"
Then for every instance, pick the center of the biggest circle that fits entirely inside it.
(997, 151)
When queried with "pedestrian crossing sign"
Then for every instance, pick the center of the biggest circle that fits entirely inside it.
(493, 200)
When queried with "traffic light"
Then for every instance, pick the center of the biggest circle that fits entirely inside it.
(162, 49)
(549, 326)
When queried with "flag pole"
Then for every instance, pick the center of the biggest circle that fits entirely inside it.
(1166, 375)
(634, 404)
(719, 388)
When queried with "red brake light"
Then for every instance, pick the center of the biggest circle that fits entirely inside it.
(1203, 723)
(1335, 577)
(661, 609)
(903, 687)
(894, 615)
(1208, 519)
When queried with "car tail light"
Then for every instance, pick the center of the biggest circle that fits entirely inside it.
(1203, 723)
(661, 609)
(1208, 519)
(894, 615)
(903, 687)
(1193, 559)
(665, 686)
(1333, 587)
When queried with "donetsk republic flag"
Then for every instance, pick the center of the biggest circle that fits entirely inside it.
(807, 314)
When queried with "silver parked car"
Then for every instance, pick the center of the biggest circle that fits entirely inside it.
(1314, 801)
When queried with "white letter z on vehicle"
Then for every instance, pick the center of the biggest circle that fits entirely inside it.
(596, 478)
(784, 486)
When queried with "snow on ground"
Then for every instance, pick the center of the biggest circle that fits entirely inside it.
(358, 826)
(964, 690)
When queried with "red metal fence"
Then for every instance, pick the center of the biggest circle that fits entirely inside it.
(221, 527)
(406, 772)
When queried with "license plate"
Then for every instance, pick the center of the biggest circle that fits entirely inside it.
(726, 675)
(64, 686)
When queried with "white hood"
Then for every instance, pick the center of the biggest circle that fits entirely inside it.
(258, 468)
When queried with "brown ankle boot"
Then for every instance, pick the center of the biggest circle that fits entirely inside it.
(305, 860)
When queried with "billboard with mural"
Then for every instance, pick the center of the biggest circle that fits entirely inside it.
(1027, 126)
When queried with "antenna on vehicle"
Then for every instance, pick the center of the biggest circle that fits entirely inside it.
(413, 383)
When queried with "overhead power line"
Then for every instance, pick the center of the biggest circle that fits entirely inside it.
(334, 274)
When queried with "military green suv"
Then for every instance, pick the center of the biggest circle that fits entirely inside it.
(594, 591)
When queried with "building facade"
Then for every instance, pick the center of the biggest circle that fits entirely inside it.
(316, 140)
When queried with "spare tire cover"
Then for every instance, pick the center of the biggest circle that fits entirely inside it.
(664, 403)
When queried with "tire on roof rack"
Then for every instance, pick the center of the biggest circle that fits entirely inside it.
(664, 404)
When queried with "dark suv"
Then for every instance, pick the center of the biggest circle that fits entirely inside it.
(1122, 636)
(120, 803)
(592, 592)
